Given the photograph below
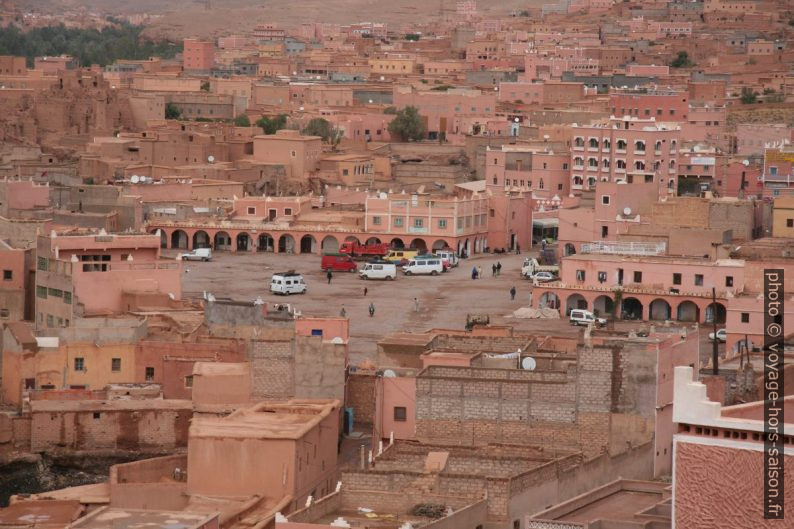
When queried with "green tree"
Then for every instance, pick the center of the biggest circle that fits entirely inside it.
(272, 125)
(172, 111)
(323, 128)
(408, 125)
(413, 36)
(682, 61)
(749, 96)
(242, 121)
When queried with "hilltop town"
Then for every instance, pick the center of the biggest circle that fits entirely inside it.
(456, 265)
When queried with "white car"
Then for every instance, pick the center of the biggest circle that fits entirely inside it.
(432, 266)
(721, 335)
(287, 283)
(585, 317)
(379, 270)
(199, 254)
(543, 277)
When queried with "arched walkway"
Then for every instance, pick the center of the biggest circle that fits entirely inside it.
(286, 244)
(201, 239)
(243, 242)
(659, 310)
(265, 243)
(308, 244)
(330, 244)
(549, 300)
(569, 249)
(178, 239)
(163, 237)
(687, 311)
(439, 244)
(575, 301)
(603, 306)
(721, 313)
(373, 240)
(419, 244)
(223, 242)
(632, 309)
(351, 238)
(397, 243)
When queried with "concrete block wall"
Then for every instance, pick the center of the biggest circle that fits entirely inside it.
(272, 369)
(361, 397)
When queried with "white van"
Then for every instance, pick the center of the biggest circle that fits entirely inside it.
(287, 283)
(585, 317)
(432, 266)
(384, 270)
(199, 254)
(450, 256)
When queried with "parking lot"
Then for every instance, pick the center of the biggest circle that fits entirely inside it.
(444, 300)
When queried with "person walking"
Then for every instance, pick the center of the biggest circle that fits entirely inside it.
(513, 293)
(479, 271)
(518, 249)
(365, 291)
(493, 270)
(371, 310)
(498, 268)
(343, 312)
(474, 272)
(329, 275)
(416, 304)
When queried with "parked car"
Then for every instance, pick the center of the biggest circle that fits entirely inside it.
(444, 261)
(400, 256)
(423, 266)
(286, 283)
(338, 262)
(585, 317)
(543, 277)
(450, 256)
(722, 334)
(379, 270)
(199, 254)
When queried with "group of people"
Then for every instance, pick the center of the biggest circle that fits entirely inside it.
(496, 269)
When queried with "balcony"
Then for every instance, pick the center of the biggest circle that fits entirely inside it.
(625, 248)
(579, 167)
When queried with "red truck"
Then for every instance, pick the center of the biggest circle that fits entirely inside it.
(354, 249)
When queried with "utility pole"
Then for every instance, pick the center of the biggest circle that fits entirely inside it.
(714, 343)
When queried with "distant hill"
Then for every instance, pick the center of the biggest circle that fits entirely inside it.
(208, 18)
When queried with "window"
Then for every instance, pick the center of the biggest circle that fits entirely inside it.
(97, 415)
(699, 280)
(492, 212)
(398, 221)
(4, 313)
(442, 224)
(789, 223)
(676, 279)
(400, 413)
(41, 264)
(115, 364)
(605, 200)
(580, 275)
(745, 317)
(149, 374)
(50, 321)
(516, 524)
(79, 364)
(189, 381)
(41, 292)
(8, 275)
(287, 211)
(638, 277)
(67, 298)
(602, 277)
(728, 281)
(251, 210)
(376, 220)
(604, 231)
(418, 223)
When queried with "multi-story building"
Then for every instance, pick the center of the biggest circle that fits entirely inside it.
(627, 149)
(300, 154)
(198, 55)
(542, 171)
(84, 273)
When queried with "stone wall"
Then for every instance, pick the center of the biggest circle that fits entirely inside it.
(361, 397)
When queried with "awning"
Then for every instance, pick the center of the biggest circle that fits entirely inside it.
(550, 222)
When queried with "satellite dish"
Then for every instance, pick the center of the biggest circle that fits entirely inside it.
(135, 179)
(389, 374)
(528, 363)
(210, 158)
(627, 211)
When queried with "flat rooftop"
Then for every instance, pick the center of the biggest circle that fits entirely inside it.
(656, 259)
(109, 518)
(290, 420)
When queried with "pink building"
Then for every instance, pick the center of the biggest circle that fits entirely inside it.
(628, 149)
(445, 111)
(299, 154)
(84, 273)
(198, 55)
(662, 106)
(543, 65)
(753, 138)
(540, 170)
(711, 438)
